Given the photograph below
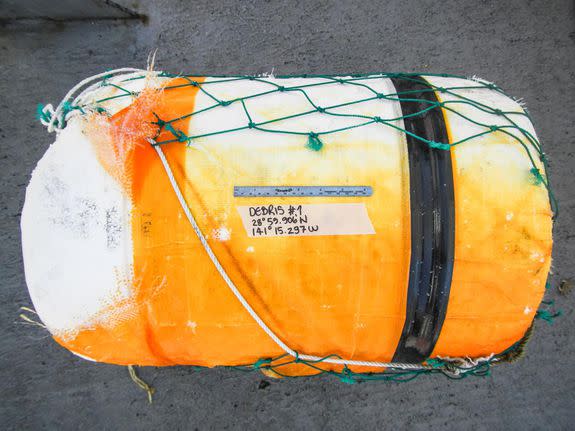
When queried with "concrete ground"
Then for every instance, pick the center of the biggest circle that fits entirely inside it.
(527, 47)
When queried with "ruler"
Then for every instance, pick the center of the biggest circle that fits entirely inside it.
(339, 191)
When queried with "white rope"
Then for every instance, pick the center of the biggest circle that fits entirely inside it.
(56, 121)
(467, 362)
(245, 303)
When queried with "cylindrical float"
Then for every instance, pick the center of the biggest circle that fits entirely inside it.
(351, 223)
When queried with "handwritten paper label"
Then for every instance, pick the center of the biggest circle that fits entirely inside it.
(306, 220)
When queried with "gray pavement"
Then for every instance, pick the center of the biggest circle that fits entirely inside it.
(527, 47)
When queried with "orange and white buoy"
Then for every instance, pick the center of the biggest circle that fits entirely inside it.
(431, 237)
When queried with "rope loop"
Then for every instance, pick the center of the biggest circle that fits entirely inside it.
(55, 119)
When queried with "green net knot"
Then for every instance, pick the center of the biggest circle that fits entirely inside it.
(439, 145)
(106, 78)
(42, 114)
(67, 107)
(46, 113)
(377, 119)
(548, 316)
(537, 178)
(547, 312)
(441, 89)
(161, 123)
(313, 142)
(262, 363)
(347, 376)
(320, 109)
(380, 96)
(178, 134)
(494, 128)
(225, 102)
(498, 112)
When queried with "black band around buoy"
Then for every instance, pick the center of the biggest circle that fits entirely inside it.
(432, 218)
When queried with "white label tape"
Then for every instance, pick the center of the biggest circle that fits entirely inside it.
(306, 220)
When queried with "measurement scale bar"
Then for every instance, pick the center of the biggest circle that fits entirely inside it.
(302, 191)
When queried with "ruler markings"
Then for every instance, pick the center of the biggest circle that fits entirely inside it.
(302, 191)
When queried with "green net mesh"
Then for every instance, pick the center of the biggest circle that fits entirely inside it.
(522, 136)
(313, 140)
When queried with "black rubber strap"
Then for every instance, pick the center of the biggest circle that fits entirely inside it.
(432, 221)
